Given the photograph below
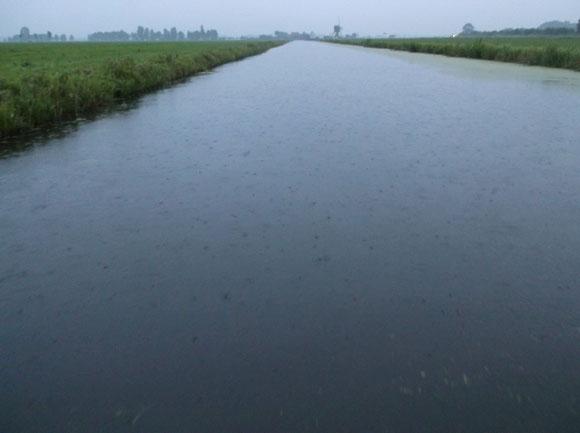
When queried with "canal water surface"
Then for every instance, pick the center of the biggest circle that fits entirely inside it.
(318, 239)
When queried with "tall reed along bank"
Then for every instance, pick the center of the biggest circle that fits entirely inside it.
(44, 84)
(555, 52)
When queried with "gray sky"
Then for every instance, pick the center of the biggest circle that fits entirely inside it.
(235, 17)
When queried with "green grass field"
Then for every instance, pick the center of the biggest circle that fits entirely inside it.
(44, 84)
(556, 52)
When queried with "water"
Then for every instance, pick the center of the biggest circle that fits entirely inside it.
(321, 238)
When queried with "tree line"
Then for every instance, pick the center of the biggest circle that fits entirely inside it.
(26, 36)
(146, 34)
(284, 36)
(469, 30)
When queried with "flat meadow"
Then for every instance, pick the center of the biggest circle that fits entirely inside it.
(44, 84)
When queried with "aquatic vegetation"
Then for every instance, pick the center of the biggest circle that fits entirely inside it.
(43, 84)
(555, 52)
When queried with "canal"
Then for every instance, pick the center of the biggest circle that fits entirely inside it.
(318, 239)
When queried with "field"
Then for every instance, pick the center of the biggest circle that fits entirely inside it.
(43, 84)
(556, 52)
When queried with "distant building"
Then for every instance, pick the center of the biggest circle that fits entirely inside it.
(337, 30)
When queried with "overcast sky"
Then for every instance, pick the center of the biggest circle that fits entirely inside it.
(236, 17)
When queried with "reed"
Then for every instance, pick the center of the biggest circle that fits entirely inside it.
(541, 51)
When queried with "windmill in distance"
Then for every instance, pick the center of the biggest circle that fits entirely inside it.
(337, 30)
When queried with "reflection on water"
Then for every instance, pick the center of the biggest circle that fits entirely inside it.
(316, 239)
(13, 146)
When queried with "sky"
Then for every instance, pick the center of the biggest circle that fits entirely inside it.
(253, 17)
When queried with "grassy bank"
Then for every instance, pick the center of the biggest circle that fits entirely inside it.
(540, 51)
(43, 84)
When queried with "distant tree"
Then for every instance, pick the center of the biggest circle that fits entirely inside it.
(49, 35)
(212, 35)
(468, 29)
(202, 30)
(578, 27)
(147, 34)
(548, 31)
(63, 38)
(557, 25)
(71, 38)
(110, 36)
(24, 34)
(337, 30)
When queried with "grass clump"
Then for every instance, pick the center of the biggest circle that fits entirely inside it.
(554, 52)
(43, 84)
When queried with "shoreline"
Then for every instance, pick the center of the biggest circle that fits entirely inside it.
(550, 54)
(38, 92)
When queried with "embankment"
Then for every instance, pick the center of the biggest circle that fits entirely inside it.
(546, 51)
(45, 84)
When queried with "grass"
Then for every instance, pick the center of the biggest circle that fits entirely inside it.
(44, 84)
(555, 52)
